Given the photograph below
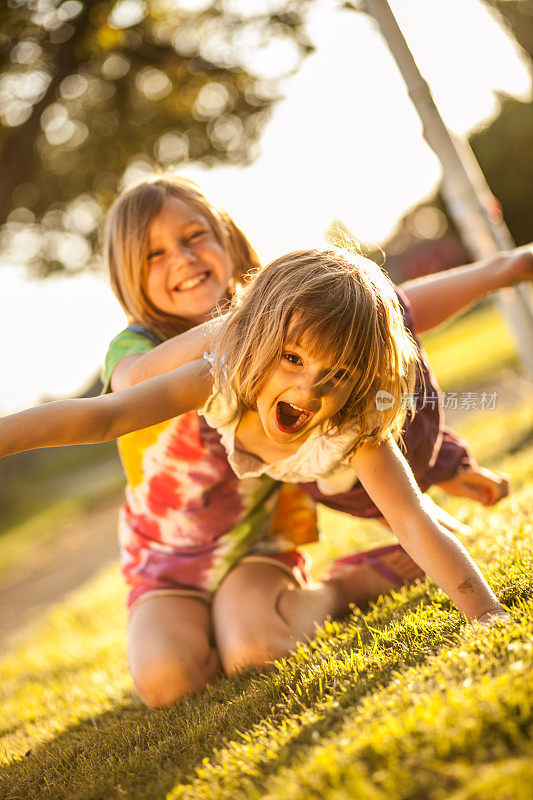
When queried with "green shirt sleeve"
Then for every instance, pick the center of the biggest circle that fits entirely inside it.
(125, 344)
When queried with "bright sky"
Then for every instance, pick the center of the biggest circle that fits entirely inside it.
(344, 143)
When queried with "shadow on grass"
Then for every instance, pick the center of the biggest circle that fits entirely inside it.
(134, 752)
(131, 751)
(523, 442)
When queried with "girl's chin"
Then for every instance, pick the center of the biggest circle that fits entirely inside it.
(195, 313)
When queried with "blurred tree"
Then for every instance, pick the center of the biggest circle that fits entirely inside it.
(505, 155)
(503, 147)
(90, 89)
(517, 17)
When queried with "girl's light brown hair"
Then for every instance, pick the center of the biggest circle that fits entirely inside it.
(344, 310)
(126, 245)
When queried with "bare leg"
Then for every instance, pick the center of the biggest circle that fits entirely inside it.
(441, 516)
(444, 518)
(170, 650)
(360, 578)
(435, 298)
(362, 582)
(260, 613)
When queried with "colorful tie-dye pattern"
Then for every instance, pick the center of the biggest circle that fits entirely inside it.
(187, 518)
(190, 520)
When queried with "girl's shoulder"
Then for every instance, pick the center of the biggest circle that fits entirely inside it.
(133, 332)
(135, 339)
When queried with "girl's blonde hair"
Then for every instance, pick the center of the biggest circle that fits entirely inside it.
(344, 310)
(126, 245)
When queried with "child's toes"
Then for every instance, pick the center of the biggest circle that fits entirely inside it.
(495, 485)
(478, 483)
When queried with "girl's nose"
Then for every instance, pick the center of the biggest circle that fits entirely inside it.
(312, 392)
(181, 255)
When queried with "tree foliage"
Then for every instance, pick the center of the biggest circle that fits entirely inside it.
(517, 17)
(91, 89)
(503, 148)
(505, 155)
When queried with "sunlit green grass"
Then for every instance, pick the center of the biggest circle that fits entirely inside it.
(403, 702)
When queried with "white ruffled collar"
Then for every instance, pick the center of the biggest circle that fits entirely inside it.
(323, 457)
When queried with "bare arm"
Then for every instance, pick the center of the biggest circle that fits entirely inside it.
(435, 298)
(99, 419)
(389, 481)
(167, 356)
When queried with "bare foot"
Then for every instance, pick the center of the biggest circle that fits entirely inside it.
(518, 265)
(478, 483)
(377, 572)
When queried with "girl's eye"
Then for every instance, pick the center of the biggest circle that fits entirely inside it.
(154, 254)
(196, 235)
(292, 358)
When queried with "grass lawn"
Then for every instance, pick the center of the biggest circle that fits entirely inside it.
(404, 701)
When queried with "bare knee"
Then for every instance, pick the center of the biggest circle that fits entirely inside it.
(253, 633)
(256, 649)
(169, 649)
(295, 617)
(163, 680)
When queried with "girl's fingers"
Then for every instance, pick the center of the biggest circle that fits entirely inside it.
(492, 617)
(521, 264)
(445, 519)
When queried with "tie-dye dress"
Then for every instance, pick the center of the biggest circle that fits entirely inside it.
(188, 519)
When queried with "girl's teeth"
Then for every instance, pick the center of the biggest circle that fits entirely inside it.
(191, 282)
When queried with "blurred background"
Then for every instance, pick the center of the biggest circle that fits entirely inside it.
(292, 115)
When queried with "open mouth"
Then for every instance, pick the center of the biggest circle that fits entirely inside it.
(291, 418)
(192, 283)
